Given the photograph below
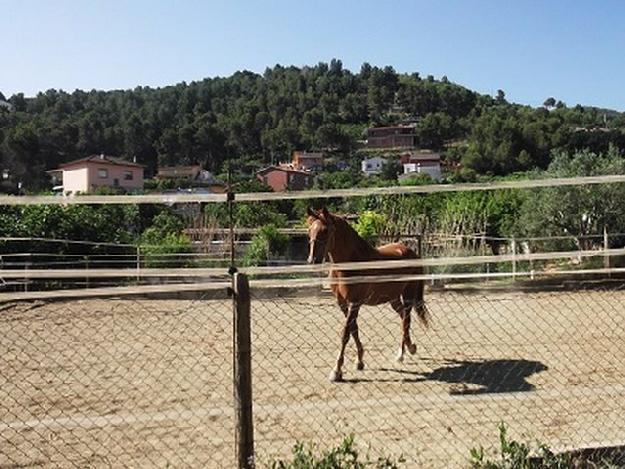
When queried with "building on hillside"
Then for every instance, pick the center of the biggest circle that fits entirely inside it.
(422, 163)
(307, 161)
(398, 136)
(281, 178)
(372, 165)
(193, 176)
(85, 175)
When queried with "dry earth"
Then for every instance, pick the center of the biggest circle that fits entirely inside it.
(148, 383)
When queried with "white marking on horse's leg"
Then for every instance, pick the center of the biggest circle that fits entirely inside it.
(400, 355)
(336, 376)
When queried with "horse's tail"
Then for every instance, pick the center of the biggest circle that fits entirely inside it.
(423, 313)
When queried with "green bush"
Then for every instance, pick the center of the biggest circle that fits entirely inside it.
(519, 455)
(370, 225)
(345, 456)
(162, 240)
(267, 243)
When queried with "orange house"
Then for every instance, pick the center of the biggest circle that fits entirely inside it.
(281, 178)
(87, 174)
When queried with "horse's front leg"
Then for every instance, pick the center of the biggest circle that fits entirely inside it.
(349, 327)
(360, 364)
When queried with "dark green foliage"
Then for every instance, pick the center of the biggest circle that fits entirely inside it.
(257, 119)
(106, 223)
(266, 244)
(162, 240)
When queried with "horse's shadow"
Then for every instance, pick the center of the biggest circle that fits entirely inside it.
(490, 376)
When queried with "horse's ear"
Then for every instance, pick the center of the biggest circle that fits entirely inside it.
(325, 213)
(311, 213)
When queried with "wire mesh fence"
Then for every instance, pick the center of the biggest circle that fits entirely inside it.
(551, 365)
(148, 382)
(116, 382)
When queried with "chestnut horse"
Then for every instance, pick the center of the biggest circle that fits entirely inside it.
(333, 238)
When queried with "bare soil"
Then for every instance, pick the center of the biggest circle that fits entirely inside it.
(148, 383)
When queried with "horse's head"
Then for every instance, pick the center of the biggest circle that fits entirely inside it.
(321, 229)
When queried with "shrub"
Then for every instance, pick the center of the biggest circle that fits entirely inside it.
(519, 455)
(370, 225)
(345, 456)
(267, 243)
(163, 239)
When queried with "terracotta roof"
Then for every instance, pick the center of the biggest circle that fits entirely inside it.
(282, 168)
(425, 157)
(101, 159)
(191, 171)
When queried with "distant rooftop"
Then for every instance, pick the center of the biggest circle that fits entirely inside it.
(101, 159)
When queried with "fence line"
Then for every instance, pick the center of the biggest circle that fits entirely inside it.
(307, 268)
(309, 194)
(321, 282)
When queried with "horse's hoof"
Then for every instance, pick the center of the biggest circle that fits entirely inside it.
(400, 357)
(360, 366)
(412, 348)
(336, 376)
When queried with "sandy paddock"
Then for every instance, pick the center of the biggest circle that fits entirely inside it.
(145, 383)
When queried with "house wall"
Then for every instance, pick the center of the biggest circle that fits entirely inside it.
(115, 172)
(275, 179)
(280, 180)
(75, 180)
(372, 165)
(433, 170)
(391, 137)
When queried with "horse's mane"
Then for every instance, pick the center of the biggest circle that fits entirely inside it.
(361, 246)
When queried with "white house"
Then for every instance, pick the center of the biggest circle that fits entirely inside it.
(427, 163)
(87, 174)
(372, 165)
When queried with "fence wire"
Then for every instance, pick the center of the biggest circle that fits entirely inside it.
(549, 365)
(148, 382)
(116, 383)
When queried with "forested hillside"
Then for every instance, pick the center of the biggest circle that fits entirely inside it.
(256, 119)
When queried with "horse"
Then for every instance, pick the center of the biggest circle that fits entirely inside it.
(331, 237)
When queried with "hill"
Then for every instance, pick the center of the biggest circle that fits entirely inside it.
(253, 119)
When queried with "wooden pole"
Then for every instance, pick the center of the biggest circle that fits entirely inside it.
(138, 264)
(606, 246)
(513, 247)
(244, 427)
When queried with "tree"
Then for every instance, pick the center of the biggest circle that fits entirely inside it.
(549, 102)
(578, 211)
(390, 169)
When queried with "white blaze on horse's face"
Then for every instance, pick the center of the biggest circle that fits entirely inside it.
(319, 234)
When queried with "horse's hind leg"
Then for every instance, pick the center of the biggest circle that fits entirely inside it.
(350, 326)
(404, 313)
(360, 365)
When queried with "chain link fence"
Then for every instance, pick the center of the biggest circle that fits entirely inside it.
(142, 382)
(550, 365)
(116, 382)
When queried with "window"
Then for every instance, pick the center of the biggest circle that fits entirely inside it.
(128, 176)
(103, 173)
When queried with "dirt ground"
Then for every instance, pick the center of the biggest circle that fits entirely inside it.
(148, 383)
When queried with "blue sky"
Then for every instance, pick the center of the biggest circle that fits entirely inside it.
(572, 50)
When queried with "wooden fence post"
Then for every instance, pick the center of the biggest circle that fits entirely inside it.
(513, 248)
(244, 425)
(606, 247)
